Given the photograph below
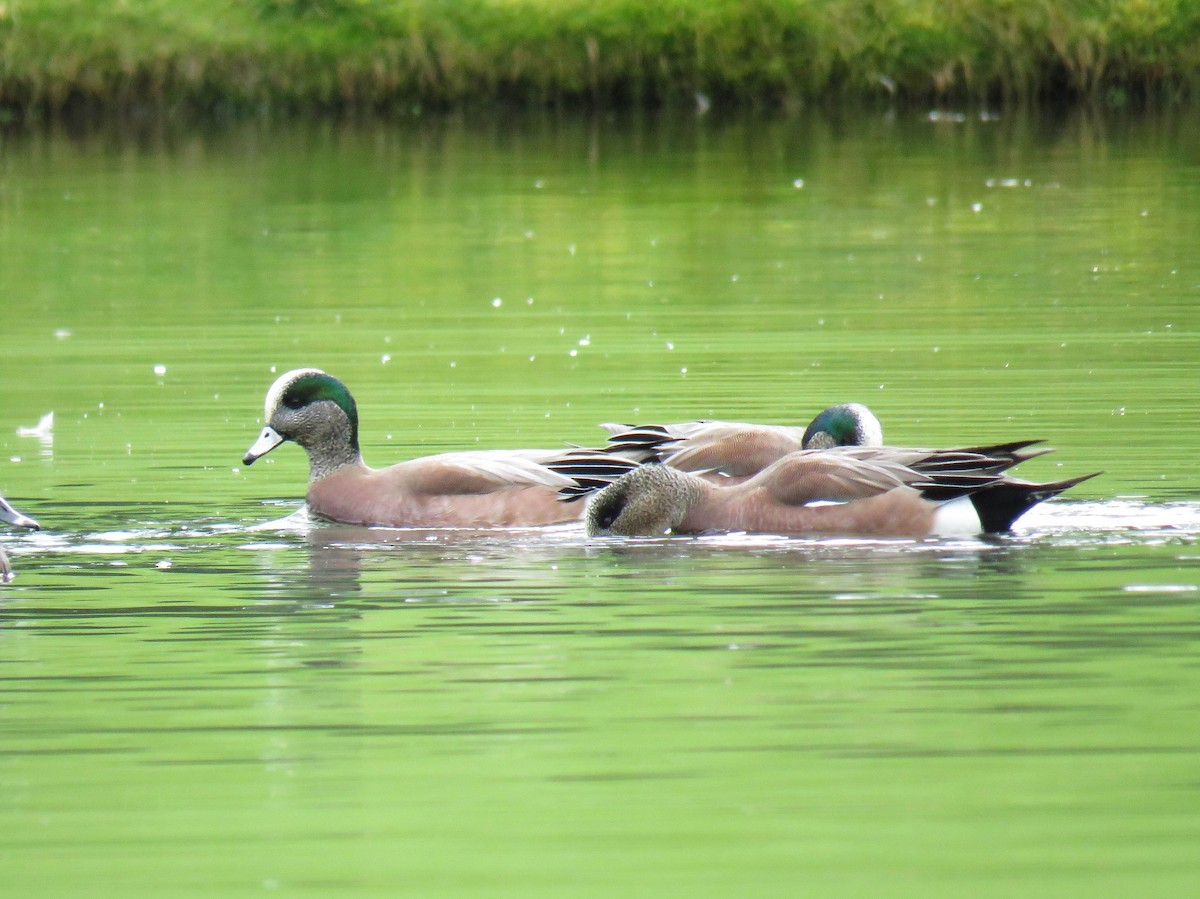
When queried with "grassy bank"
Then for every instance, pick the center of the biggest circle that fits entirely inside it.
(352, 55)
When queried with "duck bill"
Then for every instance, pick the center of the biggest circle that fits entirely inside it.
(9, 515)
(267, 441)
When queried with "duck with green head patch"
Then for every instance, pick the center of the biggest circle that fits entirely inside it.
(731, 451)
(483, 488)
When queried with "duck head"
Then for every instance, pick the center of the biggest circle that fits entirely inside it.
(315, 410)
(850, 424)
(648, 502)
(9, 515)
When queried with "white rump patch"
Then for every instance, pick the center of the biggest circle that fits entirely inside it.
(957, 518)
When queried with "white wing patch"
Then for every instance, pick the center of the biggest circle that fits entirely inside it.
(507, 466)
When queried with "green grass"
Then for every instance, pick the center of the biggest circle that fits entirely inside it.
(283, 56)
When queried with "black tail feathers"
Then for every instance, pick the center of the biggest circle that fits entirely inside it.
(591, 470)
(1002, 503)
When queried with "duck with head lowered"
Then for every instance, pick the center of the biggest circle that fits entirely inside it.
(844, 491)
(730, 452)
(479, 488)
(733, 450)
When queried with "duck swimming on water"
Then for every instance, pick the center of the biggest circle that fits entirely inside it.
(478, 488)
(847, 491)
(734, 449)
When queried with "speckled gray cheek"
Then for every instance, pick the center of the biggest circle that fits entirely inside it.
(647, 502)
(287, 423)
(820, 440)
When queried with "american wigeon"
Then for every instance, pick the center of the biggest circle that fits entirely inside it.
(737, 450)
(484, 488)
(850, 491)
(9, 515)
(728, 453)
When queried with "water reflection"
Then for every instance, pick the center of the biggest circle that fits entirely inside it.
(42, 432)
(328, 559)
(333, 707)
(349, 672)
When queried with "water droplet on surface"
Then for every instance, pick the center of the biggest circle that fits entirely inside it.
(160, 369)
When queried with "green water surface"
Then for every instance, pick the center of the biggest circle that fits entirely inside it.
(204, 694)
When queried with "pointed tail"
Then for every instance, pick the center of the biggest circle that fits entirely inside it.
(1002, 503)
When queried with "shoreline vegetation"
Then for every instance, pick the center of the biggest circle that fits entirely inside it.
(315, 57)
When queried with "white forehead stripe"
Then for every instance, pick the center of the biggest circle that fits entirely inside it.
(275, 394)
